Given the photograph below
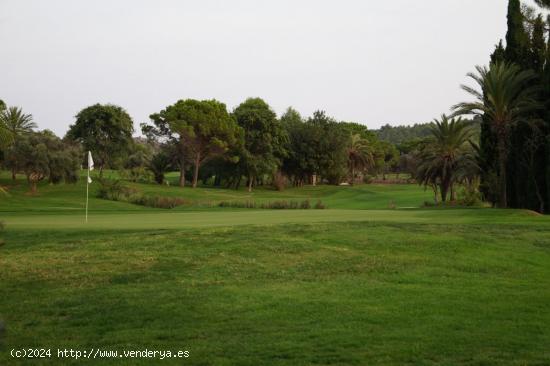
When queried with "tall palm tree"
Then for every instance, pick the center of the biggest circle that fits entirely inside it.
(507, 94)
(13, 124)
(359, 155)
(446, 156)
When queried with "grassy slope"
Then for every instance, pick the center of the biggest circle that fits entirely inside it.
(398, 287)
(71, 198)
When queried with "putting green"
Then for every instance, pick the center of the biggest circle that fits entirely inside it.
(196, 219)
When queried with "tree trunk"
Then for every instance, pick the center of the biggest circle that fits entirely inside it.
(101, 171)
(182, 175)
(250, 182)
(33, 187)
(444, 189)
(436, 200)
(453, 193)
(196, 173)
(13, 174)
(503, 194)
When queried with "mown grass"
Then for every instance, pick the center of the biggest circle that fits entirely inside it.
(339, 294)
(356, 284)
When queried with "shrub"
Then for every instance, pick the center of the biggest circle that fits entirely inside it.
(114, 190)
(158, 201)
(137, 174)
(159, 165)
(367, 179)
(237, 204)
(279, 181)
(274, 205)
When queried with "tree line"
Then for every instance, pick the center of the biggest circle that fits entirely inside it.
(201, 140)
(513, 102)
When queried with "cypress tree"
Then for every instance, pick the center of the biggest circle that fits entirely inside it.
(520, 50)
(546, 96)
(517, 38)
(527, 149)
(538, 46)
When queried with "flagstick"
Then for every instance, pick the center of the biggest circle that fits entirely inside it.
(87, 185)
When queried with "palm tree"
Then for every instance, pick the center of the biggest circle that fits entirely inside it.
(507, 95)
(359, 155)
(13, 124)
(446, 156)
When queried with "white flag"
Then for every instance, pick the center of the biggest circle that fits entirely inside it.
(90, 161)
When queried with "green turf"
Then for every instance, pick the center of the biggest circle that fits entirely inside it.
(342, 286)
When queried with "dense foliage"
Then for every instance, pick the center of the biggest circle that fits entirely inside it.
(44, 156)
(513, 100)
(105, 130)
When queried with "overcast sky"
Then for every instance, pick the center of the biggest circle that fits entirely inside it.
(373, 62)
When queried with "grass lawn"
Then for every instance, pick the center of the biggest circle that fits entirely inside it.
(356, 284)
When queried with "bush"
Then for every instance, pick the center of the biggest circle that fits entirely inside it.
(115, 190)
(368, 179)
(319, 205)
(236, 204)
(274, 205)
(158, 201)
(138, 174)
(279, 181)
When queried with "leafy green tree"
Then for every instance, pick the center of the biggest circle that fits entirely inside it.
(161, 133)
(106, 130)
(264, 139)
(398, 134)
(14, 124)
(317, 147)
(446, 155)
(205, 129)
(505, 98)
(291, 117)
(386, 157)
(298, 164)
(330, 150)
(140, 154)
(2, 105)
(42, 155)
